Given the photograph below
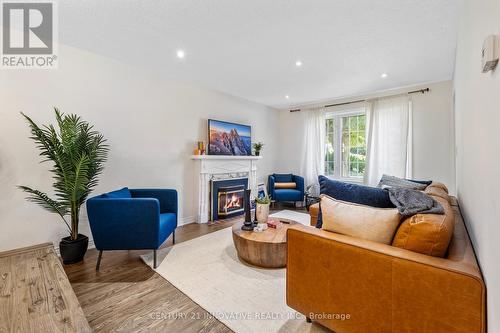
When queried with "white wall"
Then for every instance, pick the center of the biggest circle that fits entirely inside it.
(433, 156)
(477, 108)
(151, 125)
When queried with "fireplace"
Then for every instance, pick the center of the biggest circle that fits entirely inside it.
(227, 197)
(230, 200)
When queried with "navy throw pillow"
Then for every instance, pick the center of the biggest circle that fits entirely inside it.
(124, 193)
(425, 182)
(360, 194)
(283, 177)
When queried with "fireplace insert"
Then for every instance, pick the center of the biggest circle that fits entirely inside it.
(230, 200)
(227, 197)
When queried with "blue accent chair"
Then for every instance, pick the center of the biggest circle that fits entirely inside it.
(286, 194)
(135, 219)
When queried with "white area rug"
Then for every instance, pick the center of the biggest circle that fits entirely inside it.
(243, 297)
(302, 218)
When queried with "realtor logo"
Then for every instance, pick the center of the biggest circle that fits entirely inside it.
(28, 31)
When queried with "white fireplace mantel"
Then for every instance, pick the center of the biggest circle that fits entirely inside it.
(216, 167)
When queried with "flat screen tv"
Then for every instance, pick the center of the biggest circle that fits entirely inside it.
(229, 138)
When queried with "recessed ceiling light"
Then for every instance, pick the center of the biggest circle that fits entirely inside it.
(180, 54)
(384, 75)
(298, 63)
(287, 97)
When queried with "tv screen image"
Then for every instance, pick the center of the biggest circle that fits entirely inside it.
(229, 138)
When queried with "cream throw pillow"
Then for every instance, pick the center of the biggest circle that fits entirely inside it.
(370, 223)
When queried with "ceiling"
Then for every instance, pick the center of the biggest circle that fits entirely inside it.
(249, 48)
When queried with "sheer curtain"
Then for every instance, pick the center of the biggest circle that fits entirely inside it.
(389, 138)
(313, 163)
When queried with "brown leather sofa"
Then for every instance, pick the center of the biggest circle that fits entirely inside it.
(353, 285)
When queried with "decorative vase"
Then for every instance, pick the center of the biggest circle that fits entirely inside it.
(262, 212)
(72, 251)
(248, 224)
(257, 153)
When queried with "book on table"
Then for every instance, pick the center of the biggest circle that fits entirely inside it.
(273, 223)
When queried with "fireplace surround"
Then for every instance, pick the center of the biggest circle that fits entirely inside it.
(209, 168)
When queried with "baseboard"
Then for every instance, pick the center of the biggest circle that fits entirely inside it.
(186, 220)
(26, 249)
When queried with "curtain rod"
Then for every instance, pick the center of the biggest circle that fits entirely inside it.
(422, 91)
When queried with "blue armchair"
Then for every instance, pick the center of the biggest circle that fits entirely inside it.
(286, 187)
(135, 219)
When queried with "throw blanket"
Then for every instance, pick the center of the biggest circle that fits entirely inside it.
(410, 202)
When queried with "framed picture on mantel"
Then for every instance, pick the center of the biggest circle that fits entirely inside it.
(225, 138)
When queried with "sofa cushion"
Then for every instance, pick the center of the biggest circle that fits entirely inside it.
(360, 194)
(286, 194)
(439, 185)
(283, 177)
(429, 234)
(291, 185)
(434, 191)
(314, 212)
(168, 222)
(124, 193)
(370, 223)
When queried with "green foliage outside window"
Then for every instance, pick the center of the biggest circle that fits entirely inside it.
(352, 146)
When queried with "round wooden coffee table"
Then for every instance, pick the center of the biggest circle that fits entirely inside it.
(264, 249)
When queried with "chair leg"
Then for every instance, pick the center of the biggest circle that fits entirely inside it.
(173, 237)
(98, 261)
(154, 259)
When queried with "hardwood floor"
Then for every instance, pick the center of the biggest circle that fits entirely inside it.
(128, 296)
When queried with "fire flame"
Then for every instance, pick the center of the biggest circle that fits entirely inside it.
(232, 202)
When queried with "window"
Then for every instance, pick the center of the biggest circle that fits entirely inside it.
(345, 156)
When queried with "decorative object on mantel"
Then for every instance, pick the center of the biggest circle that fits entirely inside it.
(226, 138)
(200, 148)
(78, 154)
(248, 225)
(257, 147)
(262, 209)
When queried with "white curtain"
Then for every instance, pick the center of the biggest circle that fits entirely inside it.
(389, 139)
(313, 162)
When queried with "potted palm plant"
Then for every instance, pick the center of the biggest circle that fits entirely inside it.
(77, 153)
